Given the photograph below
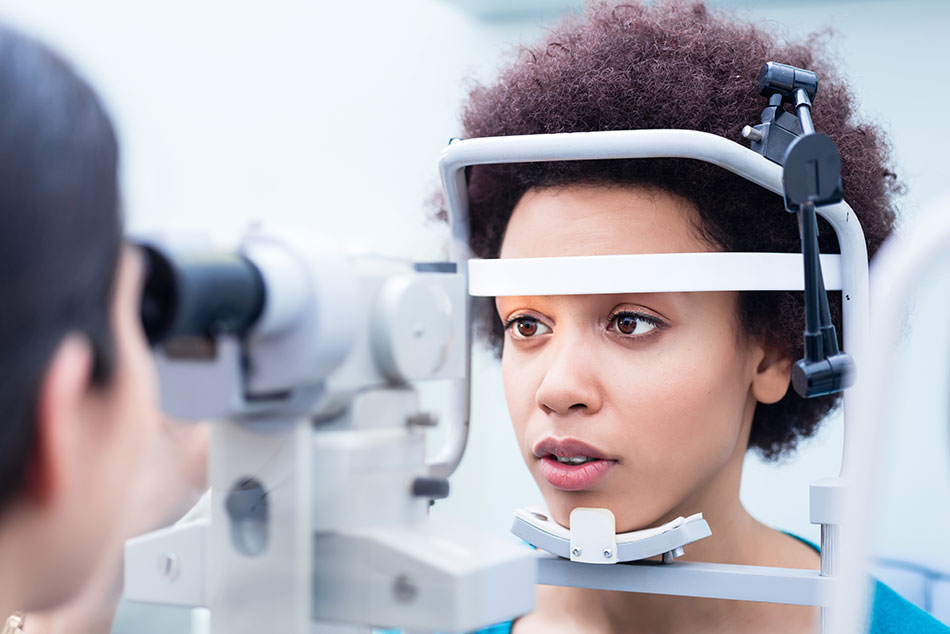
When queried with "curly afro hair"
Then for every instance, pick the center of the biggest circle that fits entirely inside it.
(678, 65)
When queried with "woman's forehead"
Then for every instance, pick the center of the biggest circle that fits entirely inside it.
(601, 220)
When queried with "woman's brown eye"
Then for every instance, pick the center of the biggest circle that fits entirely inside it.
(627, 324)
(526, 327)
(632, 324)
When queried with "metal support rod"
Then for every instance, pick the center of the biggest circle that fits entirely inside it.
(808, 226)
(830, 534)
(828, 332)
(803, 107)
(829, 549)
(829, 335)
(791, 586)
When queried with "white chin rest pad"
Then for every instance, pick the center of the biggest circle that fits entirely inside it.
(645, 273)
(588, 541)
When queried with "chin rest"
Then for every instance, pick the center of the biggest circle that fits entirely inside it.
(592, 537)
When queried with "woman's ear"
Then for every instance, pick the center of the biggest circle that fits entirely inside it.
(60, 403)
(772, 374)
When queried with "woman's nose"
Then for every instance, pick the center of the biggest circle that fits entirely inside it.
(570, 383)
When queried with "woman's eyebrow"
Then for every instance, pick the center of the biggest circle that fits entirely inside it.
(676, 299)
(666, 305)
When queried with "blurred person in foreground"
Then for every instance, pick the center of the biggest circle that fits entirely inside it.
(86, 460)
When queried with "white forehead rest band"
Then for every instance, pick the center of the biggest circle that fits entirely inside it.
(645, 273)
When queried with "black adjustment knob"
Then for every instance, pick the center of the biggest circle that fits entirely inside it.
(827, 376)
(782, 79)
(812, 172)
(430, 488)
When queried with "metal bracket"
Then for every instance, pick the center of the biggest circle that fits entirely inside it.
(535, 527)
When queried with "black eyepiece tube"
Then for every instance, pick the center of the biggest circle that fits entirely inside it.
(785, 80)
(199, 294)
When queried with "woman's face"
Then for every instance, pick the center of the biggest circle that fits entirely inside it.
(658, 388)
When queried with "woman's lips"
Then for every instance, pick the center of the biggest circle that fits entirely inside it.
(570, 477)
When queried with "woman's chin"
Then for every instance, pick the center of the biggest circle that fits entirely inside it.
(560, 504)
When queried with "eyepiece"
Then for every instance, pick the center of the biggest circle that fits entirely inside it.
(775, 78)
(199, 294)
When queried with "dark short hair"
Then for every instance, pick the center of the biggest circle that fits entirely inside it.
(60, 233)
(641, 65)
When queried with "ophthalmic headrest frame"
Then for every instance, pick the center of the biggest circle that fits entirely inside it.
(810, 183)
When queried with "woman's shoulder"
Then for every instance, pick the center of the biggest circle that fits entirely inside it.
(893, 614)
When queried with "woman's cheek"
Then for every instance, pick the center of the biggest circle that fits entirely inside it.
(519, 396)
(676, 418)
(700, 408)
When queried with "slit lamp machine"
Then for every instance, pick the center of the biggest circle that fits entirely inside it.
(309, 364)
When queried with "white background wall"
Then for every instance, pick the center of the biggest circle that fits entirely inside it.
(330, 117)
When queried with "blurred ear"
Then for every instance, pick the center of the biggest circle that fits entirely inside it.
(772, 374)
(59, 413)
